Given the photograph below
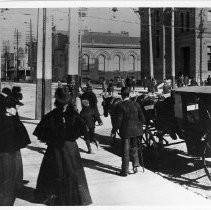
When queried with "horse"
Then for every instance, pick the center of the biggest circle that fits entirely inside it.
(110, 104)
(159, 118)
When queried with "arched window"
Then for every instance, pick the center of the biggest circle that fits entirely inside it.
(132, 63)
(101, 63)
(116, 63)
(85, 63)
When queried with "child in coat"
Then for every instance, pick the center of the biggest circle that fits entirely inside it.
(89, 117)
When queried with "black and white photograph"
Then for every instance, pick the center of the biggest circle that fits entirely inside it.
(105, 104)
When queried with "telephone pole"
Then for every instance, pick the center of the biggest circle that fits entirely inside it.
(164, 46)
(31, 68)
(44, 68)
(17, 75)
(73, 54)
(80, 48)
(0, 59)
(172, 49)
(39, 86)
(150, 47)
(6, 63)
(17, 36)
(201, 31)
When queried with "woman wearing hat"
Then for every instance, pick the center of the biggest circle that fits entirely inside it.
(13, 137)
(62, 180)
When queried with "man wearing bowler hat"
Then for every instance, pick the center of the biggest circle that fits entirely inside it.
(129, 122)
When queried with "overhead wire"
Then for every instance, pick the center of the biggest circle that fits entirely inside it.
(123, 21)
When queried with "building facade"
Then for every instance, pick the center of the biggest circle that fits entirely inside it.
(13, 66)
(192, 42)
(102, 56)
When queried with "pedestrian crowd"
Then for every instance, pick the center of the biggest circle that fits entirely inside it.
(184, 81)
(108, 86)
(61, 179)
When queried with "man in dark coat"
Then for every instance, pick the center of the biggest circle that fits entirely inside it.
(110, 88)
(208, 82)
(128, 82)
(89, 117)
(91, 97)
(129, 122)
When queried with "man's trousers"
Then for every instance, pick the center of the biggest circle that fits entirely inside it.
(130, 149)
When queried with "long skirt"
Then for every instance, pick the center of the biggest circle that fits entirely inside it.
(61, 180)
(11, 177)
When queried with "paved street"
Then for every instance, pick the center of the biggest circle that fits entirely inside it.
(106, 188)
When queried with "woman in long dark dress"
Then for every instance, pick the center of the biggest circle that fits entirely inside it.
(13, 137)
(62, 180)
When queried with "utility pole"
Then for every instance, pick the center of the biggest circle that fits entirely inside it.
(43, 62)
(150, 46)
(44, 68)
(17, 76)
(73, 54)
(164, 46)
(139, 12)
(39, 75)
(31, 68)
(48, 62)
(172, 49)
(6, 60)
(201, 31)
(0, 59)
(80, 49)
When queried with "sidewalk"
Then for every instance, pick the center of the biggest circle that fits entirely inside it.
(106, 188)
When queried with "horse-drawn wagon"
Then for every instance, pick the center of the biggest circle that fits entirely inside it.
(192, 107)
(184, 115)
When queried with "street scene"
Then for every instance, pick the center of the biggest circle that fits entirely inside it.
(105, 106)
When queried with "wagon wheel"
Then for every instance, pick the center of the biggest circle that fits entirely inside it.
(160, 135)
(149, 139)
(206, 158)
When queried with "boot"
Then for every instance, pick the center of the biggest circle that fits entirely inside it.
(96, 143)
(89, 147)
(135, 170)
(90, 151)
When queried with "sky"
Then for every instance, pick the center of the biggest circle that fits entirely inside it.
(99, 19)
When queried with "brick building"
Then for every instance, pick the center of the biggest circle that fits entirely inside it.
(104, 55)
(188, 24)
